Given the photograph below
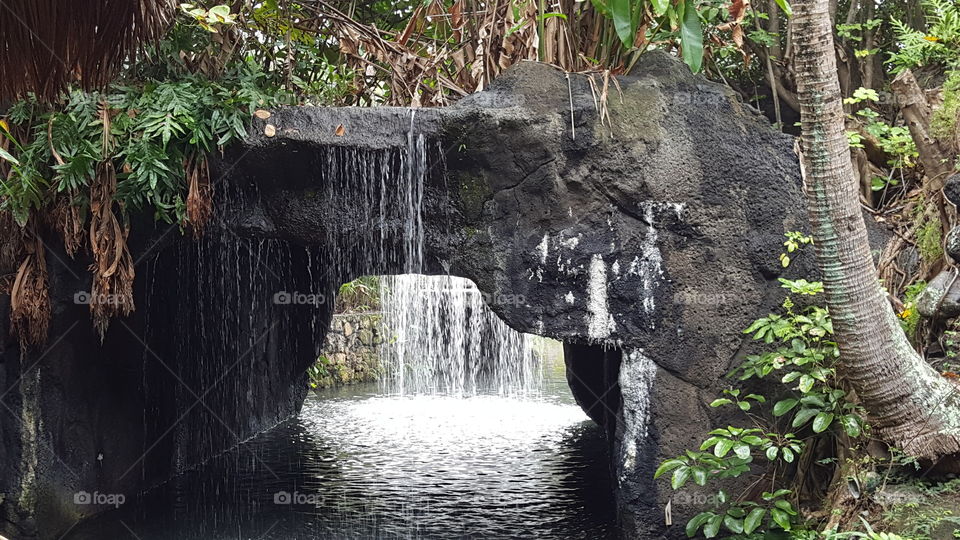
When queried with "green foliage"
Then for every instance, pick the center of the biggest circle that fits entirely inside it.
(361, 294)
(805, 355)
(909, 316)
(319, 375)
(870, 534)
(938, 44)
(683, 22)
(208, 19)
(943, 124)
(801, 356)
(744, 517)
(928, 233)
(920, 521)
(154, 127)
(801, 286)
(177, 103)
(795, 240)
(895, 141)
(853, 32)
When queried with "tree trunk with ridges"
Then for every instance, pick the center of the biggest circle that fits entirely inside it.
(909, 404)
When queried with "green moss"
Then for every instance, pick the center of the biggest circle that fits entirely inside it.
(943, 125)
(929, 235)
(930, 513)
(474, 192)
(910, 316)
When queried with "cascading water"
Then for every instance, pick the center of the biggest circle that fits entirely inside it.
(445, 339)
(353, 463)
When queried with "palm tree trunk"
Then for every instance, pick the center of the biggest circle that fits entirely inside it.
(908, 403)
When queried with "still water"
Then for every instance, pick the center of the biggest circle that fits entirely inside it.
(360, 464)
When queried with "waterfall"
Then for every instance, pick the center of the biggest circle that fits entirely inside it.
(445, 339)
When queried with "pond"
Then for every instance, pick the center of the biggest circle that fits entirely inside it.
(360, 463)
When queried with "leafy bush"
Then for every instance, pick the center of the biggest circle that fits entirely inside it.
(802, 356)
(148, 127)
(938, 45)
(361, 294)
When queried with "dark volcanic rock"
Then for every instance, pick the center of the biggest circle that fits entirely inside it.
(951, 189)
(952, 244)
(645, 241)
(652, 235)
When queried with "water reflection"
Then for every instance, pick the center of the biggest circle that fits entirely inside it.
(357, 464)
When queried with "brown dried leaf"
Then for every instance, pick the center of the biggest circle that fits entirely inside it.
(738, 8)
(29, 295)
(199, 195)
(738, 36)
(456, 15)
(340, 131)
(112, 291)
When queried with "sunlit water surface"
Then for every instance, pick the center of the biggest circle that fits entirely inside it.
(359, 464)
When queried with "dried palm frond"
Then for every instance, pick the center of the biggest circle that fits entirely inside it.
(29, 296)
(67, 218)
(200, 194)
(444, 53)
(11, 241)
(47, 44)
(113, 272)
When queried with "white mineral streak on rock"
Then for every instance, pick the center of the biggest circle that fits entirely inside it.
(650, 267)
(569, 297)
(599, 322)
(542, 248)
(637, 375)
(571, 243)
(615, 268)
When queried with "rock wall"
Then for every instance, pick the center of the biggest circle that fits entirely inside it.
(351, 350)
(208, 360)
(645, 239)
